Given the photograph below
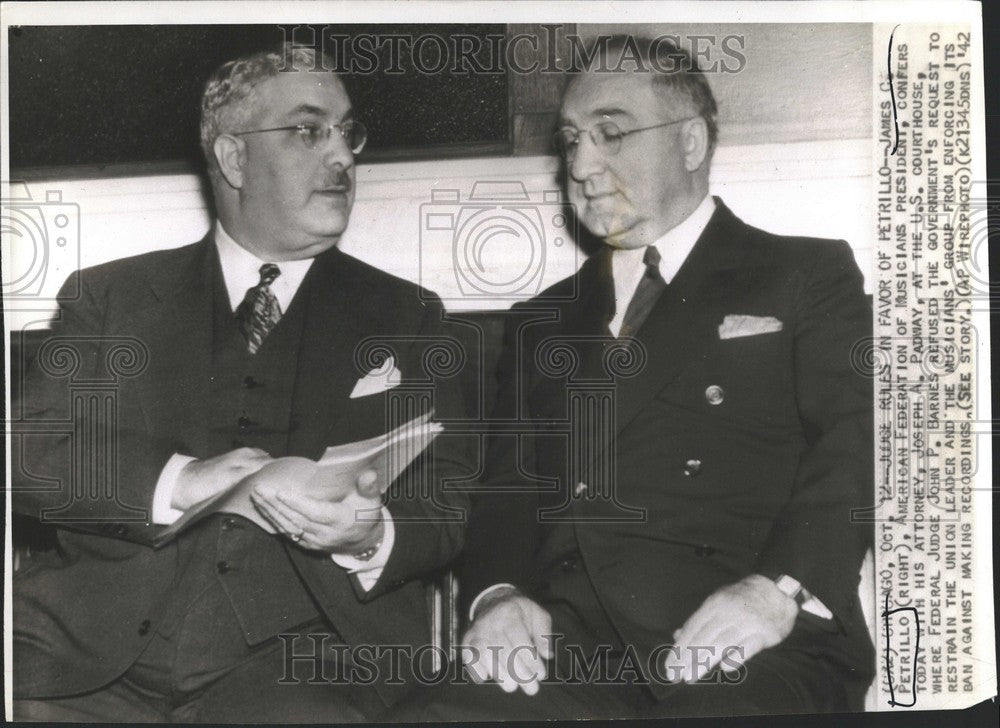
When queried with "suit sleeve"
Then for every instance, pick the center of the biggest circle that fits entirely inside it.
(818, 537)
(428, 504)
(74, 471)
(503, 533)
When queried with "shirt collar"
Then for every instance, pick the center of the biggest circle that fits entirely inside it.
(241, 271)
(674, 246)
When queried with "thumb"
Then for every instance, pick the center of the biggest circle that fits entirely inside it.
(368, 484)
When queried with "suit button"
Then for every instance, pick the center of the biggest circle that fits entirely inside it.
(692, 468)
(703, 551)
(228, 524)
(244, 422)
(250, 383)
(223, 567)
(570, 564)
(714, 394)
(144, 627)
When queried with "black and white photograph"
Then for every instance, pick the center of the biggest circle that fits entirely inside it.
(466, 362)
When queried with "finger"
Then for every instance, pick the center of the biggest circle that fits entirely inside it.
(703, 616)
(515, 664)
(498, 665)
(480, 668)
(541, 631)
(281, 520)
(694, 647)
(487, 662)
(306, 509)
(469, 653)
(711, 655)
(249, 459)
(524, 667)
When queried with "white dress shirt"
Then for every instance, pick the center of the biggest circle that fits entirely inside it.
(241, 272)
(674, 246)
(627, 269)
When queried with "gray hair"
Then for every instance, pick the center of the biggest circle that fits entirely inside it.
(673, 70)
(229, 101)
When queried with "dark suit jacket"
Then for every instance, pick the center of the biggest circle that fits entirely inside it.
(83, 602)
(763, 480)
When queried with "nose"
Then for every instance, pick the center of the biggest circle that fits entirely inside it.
(337, 152)
(587, 161)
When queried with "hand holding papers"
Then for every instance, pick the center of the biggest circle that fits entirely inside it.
(339, 473)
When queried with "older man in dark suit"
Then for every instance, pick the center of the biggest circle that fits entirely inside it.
(690, 544)
(249, 345)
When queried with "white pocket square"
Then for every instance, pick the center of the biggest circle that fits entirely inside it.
(734, 326)
(378, 380)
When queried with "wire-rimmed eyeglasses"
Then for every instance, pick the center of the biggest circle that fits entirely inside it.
(315, 135)
(606, 136)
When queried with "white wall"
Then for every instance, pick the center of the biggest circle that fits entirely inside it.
(808, 188)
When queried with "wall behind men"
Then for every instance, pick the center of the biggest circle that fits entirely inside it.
(794, 157)
(498, 249)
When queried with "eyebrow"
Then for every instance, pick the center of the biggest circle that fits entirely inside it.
(317, 111)
(602, 112)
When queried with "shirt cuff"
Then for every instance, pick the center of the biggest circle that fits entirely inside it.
(370, 570)
(484, 593)
(163, 513)
(816, 607)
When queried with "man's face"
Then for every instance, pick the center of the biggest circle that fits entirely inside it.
(633, 197)
(295, 202)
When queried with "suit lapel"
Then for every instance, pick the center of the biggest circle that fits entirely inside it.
(177, 329)
(334, 325)
(684, 321)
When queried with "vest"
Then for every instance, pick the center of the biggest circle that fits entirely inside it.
(226, 565)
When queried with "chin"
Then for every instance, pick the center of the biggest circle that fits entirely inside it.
(329, 225)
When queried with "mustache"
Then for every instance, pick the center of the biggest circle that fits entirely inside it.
(340, 180)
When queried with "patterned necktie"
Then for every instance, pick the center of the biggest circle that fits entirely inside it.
(259, 311)
(646, 293)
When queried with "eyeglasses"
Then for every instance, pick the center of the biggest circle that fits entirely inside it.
(606, 136)
(313, 135)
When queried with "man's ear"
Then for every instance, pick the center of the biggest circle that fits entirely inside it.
(695, 143)
(231, 156)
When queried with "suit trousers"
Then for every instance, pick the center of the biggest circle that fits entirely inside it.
(250, 691)
(200, 666)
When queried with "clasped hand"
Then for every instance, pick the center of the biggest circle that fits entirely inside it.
(347, 518)
(734, 623)
(509, 642)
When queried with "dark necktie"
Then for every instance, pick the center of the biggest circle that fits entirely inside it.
(646, 293)
(259, 311)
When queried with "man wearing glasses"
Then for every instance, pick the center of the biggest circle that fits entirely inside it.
(707, 562)
(252, 338)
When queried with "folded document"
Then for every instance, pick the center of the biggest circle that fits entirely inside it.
(335, 472)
